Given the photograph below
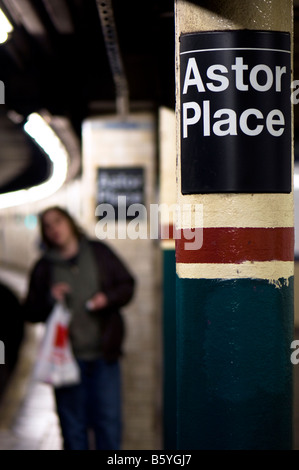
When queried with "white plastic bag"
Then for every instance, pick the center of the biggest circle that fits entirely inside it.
(55, 364)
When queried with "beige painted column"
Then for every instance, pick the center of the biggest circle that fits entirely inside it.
(167, 178)
(111, 144)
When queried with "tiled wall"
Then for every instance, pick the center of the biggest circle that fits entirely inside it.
(109, 143)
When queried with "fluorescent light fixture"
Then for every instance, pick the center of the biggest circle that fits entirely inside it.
(46, 138)
(5, 27)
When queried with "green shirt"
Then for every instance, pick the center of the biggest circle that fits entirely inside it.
(82, 275)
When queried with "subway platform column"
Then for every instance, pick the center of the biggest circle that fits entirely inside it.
(167, 173)
(118, 177)
(235, 169)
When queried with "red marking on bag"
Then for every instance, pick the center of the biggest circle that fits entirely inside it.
(61, 334)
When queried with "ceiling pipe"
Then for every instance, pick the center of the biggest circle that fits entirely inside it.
(23, 12)
(60, 15)
(105, 10)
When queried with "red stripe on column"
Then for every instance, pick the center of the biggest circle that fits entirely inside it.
(235, 245)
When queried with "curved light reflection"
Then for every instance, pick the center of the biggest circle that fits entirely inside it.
(46, 138)
(5, 27)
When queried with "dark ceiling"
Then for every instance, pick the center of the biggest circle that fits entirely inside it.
(64, 67)
(56, 60)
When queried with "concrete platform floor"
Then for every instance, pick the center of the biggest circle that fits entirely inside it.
(27, 416)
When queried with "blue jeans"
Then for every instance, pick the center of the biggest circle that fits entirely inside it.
(94, 404)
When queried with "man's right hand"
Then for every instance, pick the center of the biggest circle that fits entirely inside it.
(59, 291)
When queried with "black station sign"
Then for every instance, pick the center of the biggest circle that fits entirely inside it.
(120, 188)
(235, 101)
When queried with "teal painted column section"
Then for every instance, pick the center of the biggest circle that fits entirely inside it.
(233, 362)
(169, 350)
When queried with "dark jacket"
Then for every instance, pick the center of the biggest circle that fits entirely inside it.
(11, 328)
(116, 282)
